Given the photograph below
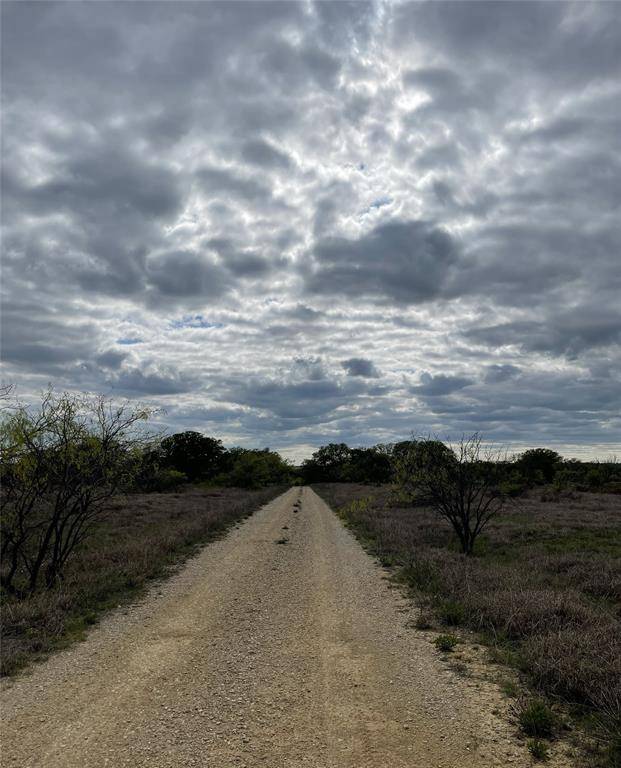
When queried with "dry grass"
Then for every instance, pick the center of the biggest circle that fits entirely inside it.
(544, 586)
(141, 538)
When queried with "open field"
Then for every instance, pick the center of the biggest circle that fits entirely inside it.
(544, 588)
(282, 644)
(140, 538)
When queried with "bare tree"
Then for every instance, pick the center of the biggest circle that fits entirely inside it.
(59, 465)
(6, 391)
(460, 483)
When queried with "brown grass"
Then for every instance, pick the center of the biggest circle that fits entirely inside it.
(141, 538)
(544, 586)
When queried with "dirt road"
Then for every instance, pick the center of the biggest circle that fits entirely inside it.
(258, 653)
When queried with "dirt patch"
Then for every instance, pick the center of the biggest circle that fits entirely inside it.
(141, 537)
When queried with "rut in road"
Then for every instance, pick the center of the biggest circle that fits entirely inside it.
(257, 653)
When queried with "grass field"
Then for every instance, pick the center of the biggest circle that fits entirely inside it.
(141, 537)
(543, 590)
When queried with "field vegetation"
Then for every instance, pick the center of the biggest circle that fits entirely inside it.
(94, 506)
(542, 588)
(140, 537)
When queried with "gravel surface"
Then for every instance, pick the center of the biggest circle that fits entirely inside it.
(259, 653)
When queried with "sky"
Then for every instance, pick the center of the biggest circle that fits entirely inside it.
(287, 224)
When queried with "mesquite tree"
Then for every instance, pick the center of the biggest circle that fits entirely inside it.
(460, 483)
(59, 465)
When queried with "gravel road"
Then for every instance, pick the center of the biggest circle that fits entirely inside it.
(259, 653)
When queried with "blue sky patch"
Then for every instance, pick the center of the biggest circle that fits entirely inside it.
(194, 321)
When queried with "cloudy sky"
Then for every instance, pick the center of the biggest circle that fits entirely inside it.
(295, 223)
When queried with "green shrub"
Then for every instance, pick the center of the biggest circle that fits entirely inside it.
(537, 719)
(195, 455)
(167, 480)
(539, 465)
(254, 469)
(613, 752)
(538, 749)
(445, 643)
(509, 688)
(512, 487)
(423, 574)
(357, 507)
(452, 613)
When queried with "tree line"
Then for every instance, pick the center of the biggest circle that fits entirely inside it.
(196, 458)
(389, 463)
(61, 461)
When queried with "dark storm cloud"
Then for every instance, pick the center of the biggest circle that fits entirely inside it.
(38, 355)
(242, 262)
(107, 178)
(406, 262)
(496, 374)
(280, 200)
(439, 385)
(573, 42)
(122, 278)
(40, 341)
(102, 204)
(569, 332)
(480, 28)
(295, 66)
(294, 401)
(325, 214)
(260, 152)
(593, 174)
(301, 312)
(299, 402)
(305, 391)
(249, 264)
(513, 263)
(139, 382)
(93, 177)
(111, 358)
(358, 366)
(186, 274)
(530, 403)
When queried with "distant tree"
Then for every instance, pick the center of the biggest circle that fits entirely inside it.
(412, 459)
(368, 465)
(460, 484)
(401, 449)
(327, 464)
(254, 469)
(151, 474)
(198, 457)
(59, 465)
(539, 465)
